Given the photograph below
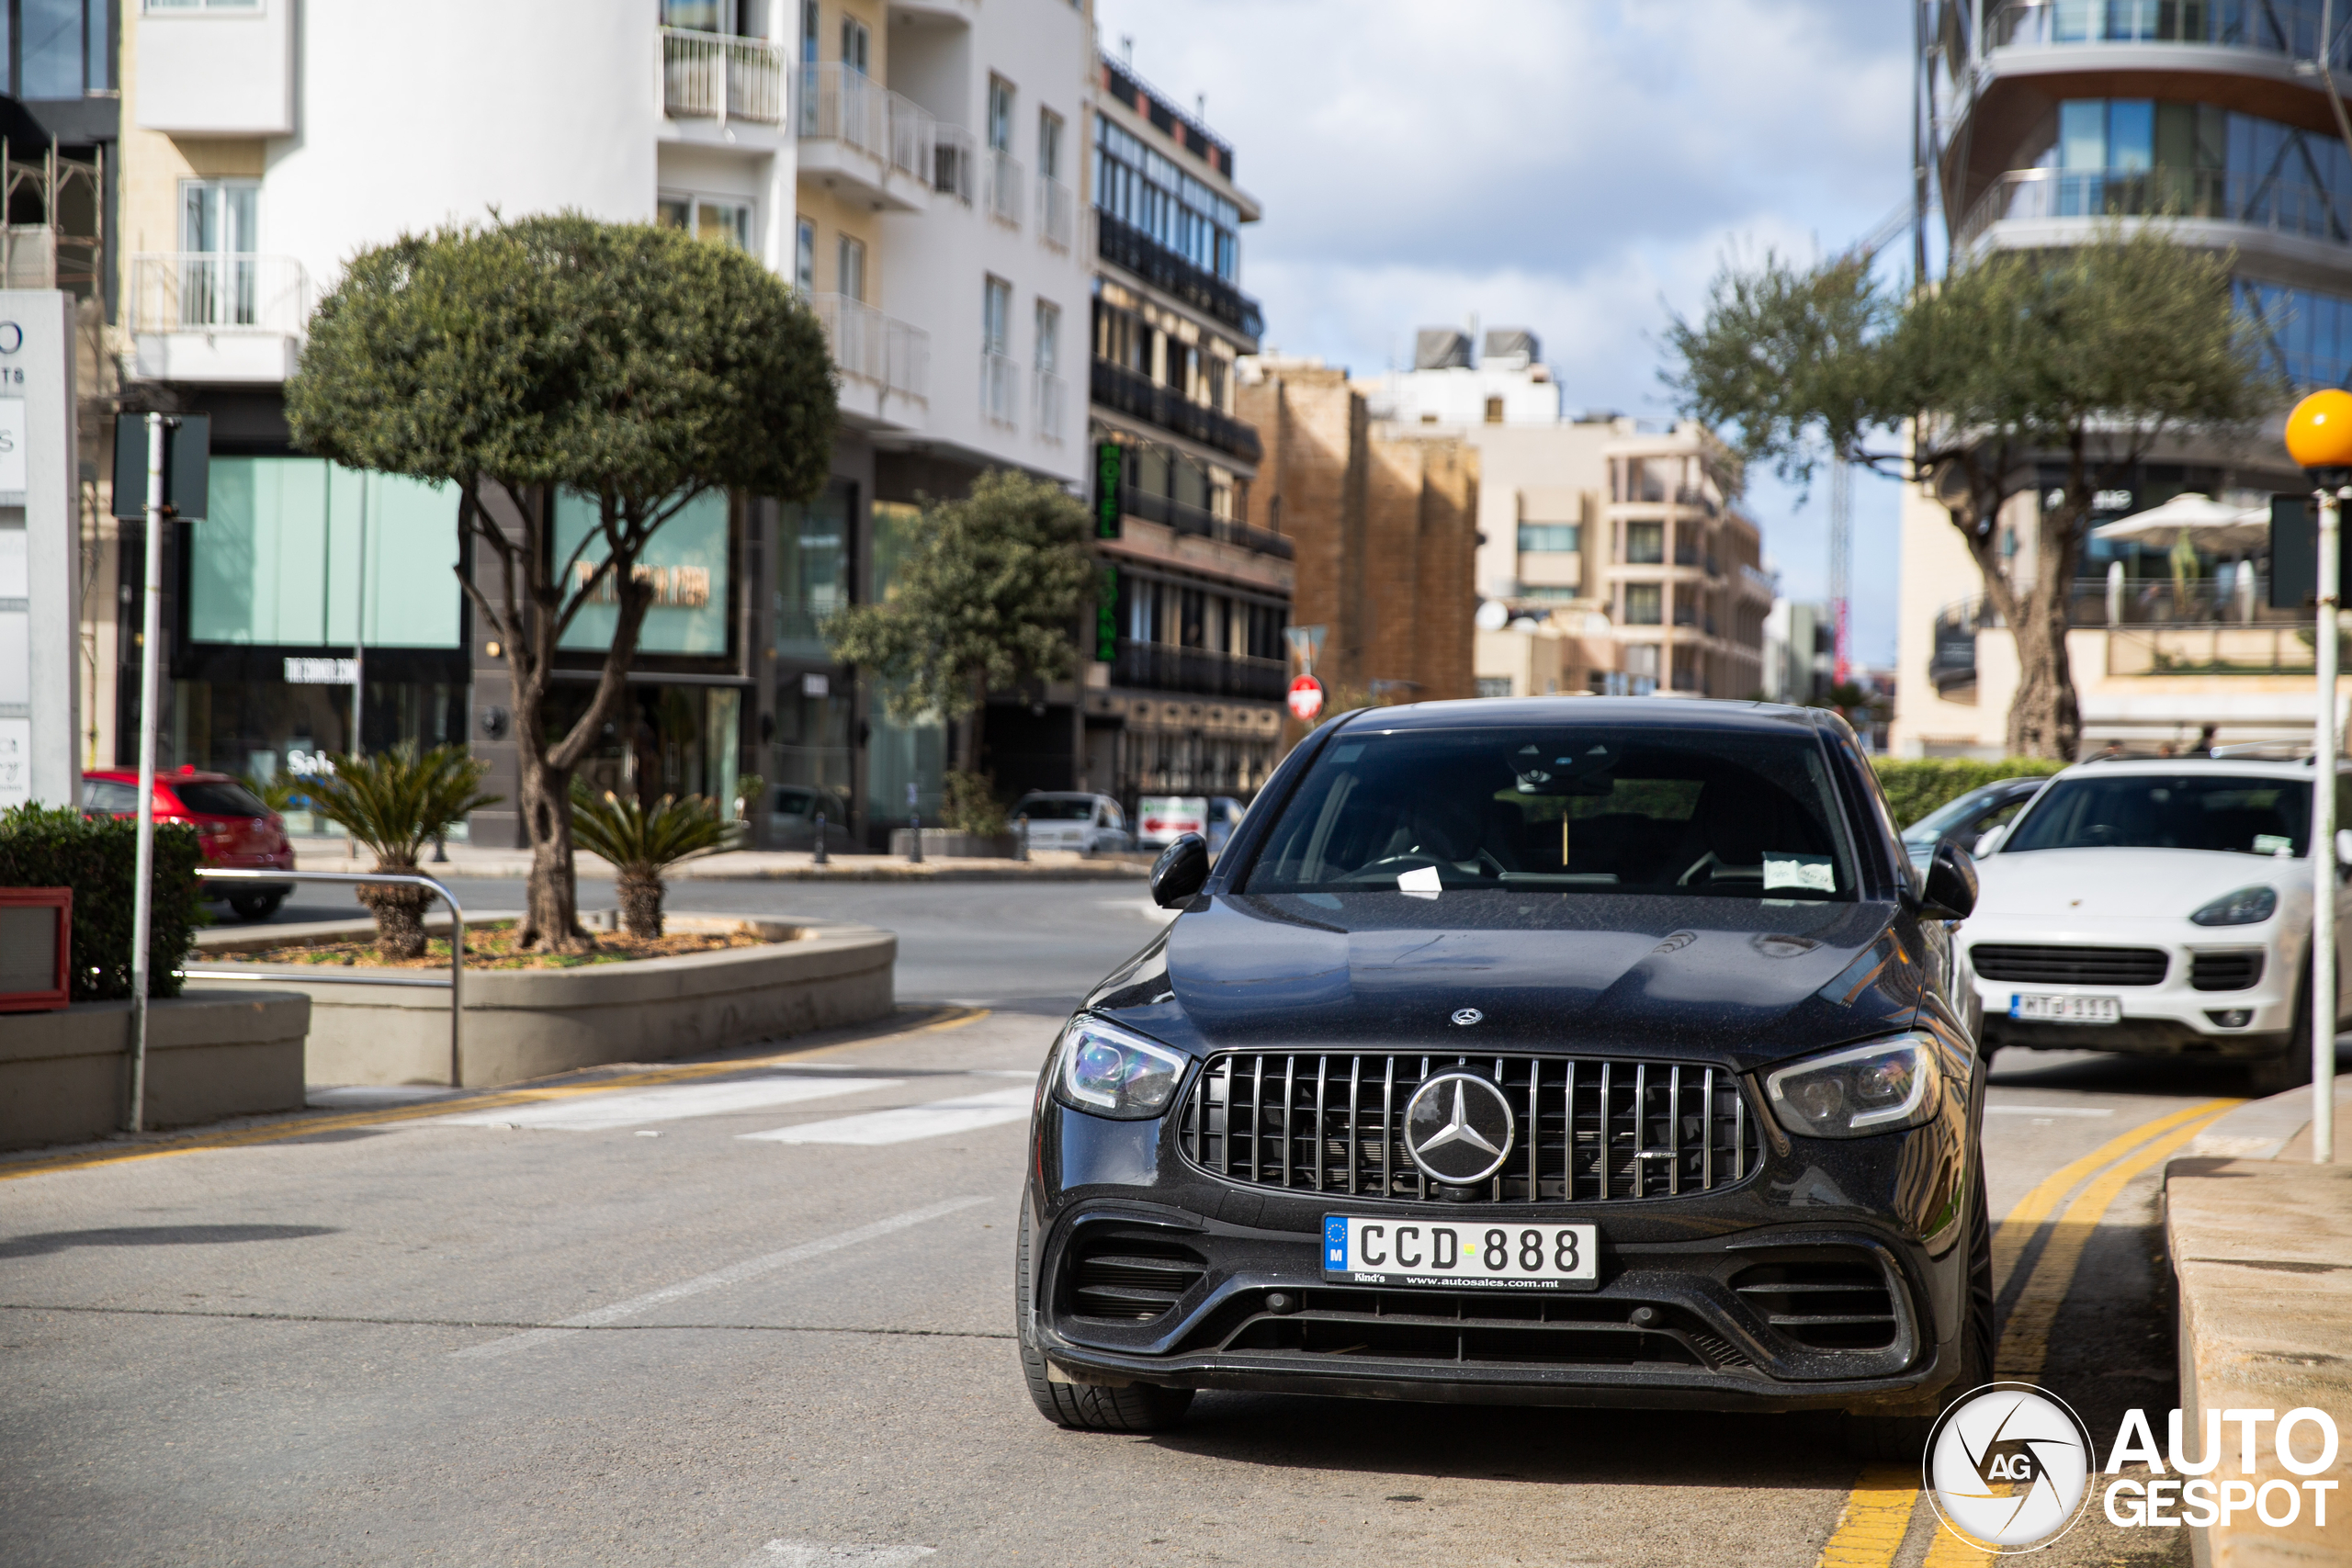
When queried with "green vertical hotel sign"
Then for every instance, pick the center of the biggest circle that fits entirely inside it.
(1108, 467)
(1106, 616)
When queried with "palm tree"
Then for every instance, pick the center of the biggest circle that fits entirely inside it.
(643, 841)
(396, 802)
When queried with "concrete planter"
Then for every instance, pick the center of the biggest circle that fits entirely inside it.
(529, 1023)
(947, 844)
(66, 1076)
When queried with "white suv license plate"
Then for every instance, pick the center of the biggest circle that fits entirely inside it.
(2037, 1007)
(1492, 1256)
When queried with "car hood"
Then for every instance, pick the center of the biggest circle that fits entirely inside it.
(1372, 971)
(2120, 884)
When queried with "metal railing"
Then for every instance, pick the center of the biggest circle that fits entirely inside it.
(2288, 28)
(718, 76)
(1000, 384)
(1050, 390)
(454, 984)
(953, 154)
(1199, 521)
(1199, 671)
(1125, 246)
(1007, 180)
(1057, 213)
(1132, 392)
(839, 104)
(205, 292)
(870, 346)
(2285, 207)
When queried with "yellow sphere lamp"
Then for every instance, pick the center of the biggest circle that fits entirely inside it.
(2319, 436)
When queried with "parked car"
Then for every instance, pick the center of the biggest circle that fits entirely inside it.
(2157, 907)
(1967, 820)
(1089, 824)
(234, 827)
(793, 810)
(1531, 1051)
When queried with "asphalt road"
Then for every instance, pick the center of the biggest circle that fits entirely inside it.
(760, 1314)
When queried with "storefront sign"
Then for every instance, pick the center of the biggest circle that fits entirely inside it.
(321, 671)
(1106, 616)
(12, 447)
(1110, 468)
(40, 551)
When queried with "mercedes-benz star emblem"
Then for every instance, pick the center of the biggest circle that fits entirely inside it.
(1465, 1016)
(1458, 1128)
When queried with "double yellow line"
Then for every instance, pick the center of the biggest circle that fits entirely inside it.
(304, 1126)
(1878, 1512)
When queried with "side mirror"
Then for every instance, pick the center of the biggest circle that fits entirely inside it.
(1181, 870)
(1989, 840)
(1952, 884)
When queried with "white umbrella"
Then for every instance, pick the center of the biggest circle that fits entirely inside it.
(2210, 525)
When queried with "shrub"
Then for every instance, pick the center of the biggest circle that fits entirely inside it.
(96, 857)
(642, 843)
(971, 805)
(1914, 788)
(395, 802)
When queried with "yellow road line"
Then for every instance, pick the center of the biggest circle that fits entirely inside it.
(1950, 1549)
(2025, 1338)
(2019, 1224)
(1870, 1532)
(272, 1132)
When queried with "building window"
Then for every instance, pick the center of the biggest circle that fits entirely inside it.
(1645, 605)
(1644, 543)
(996, 316)
(727, 222)
(849, 268)
(1145, 191)
(1000, 115)
(858, 45)
(219, 282)
(739, 18)
(1050, 338)
(804, 256)
(1494, 685)
(808, 32)
(1050, 145)
(1565, 537)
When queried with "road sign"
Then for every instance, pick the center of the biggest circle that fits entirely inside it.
(1306, 698)
(187, 459)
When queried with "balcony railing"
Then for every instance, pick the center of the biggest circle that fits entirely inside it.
(1116, 387)
(714, 76)
(1199, 521)
(1007, 180)
(2284, 206)
(1051, 391)
(213, 293)
(953, 154)
(1124, 246)
(1057, 213)
(999, 395)
(869, 346)
(1196, 671)
(2288, 27)
(838, 104)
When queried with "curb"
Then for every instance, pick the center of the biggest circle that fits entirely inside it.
(890, 869)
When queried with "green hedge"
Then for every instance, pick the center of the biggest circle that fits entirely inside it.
(96, 856)
(1915, 788)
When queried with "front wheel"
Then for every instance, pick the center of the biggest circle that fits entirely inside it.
(2289, 1068)
(1904, 1438)
(1084, 1408)
(255, 905)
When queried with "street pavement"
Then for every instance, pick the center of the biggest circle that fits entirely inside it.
(757, 1311)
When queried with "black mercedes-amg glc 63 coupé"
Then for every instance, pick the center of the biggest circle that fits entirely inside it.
(1568, 1052)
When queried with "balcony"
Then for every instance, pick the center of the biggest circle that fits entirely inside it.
(220, 319)
(884, 355)
(1196, 671)
(714, 76)
(952, 155)
(1006, 182)
(1116, 387)
(1057, 213)
(1129, 248)
(999, 395)
(2288, 29)
(1051, 393)
(858, 134)
(1183, 517)
(2276, 206)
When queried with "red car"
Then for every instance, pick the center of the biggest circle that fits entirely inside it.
(234, 827)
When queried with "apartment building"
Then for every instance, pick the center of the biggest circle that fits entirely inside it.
(2048, 122)
(910, 167)
(1183, 693)
(1598, 515)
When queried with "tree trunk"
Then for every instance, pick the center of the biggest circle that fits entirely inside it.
(399, 910)
(640, 898)
(2043, 719)
(551, 900)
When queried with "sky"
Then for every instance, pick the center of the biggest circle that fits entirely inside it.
(1580, 167)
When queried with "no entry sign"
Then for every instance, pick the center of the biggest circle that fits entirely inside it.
(1306, 698)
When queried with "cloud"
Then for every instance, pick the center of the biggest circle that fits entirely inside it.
(1580, 167)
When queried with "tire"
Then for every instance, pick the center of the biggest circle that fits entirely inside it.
(2289, 1068)
(255, 905)
(1138, 1407)
(1904, 1439)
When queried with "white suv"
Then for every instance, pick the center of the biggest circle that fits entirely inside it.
(1068, 820)
(2161, 908)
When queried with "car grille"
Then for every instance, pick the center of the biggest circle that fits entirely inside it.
(1465, 1328)
(1122, 1277)
(1823, 1306)
(1587, 1129)
(2225, 971)
(2070, 966)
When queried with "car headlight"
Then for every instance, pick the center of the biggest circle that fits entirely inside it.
(1104, 1070)
(2247, 907)
(1860, 1090)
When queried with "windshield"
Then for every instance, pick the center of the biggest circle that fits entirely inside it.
(1045, 808)
(1964, 812)
(2169, 811)
(1562, 810)
(217, 800)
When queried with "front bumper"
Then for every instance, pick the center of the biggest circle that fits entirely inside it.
(2172, 1018)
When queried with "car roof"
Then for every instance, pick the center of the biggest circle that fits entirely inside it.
(2235, 767)
(1063, 795)
(130, 775)
(1623, 713)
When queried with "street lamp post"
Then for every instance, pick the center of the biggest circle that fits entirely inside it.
(2319, 438)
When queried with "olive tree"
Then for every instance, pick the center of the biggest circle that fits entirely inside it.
(2083, 360)
(634, 367)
